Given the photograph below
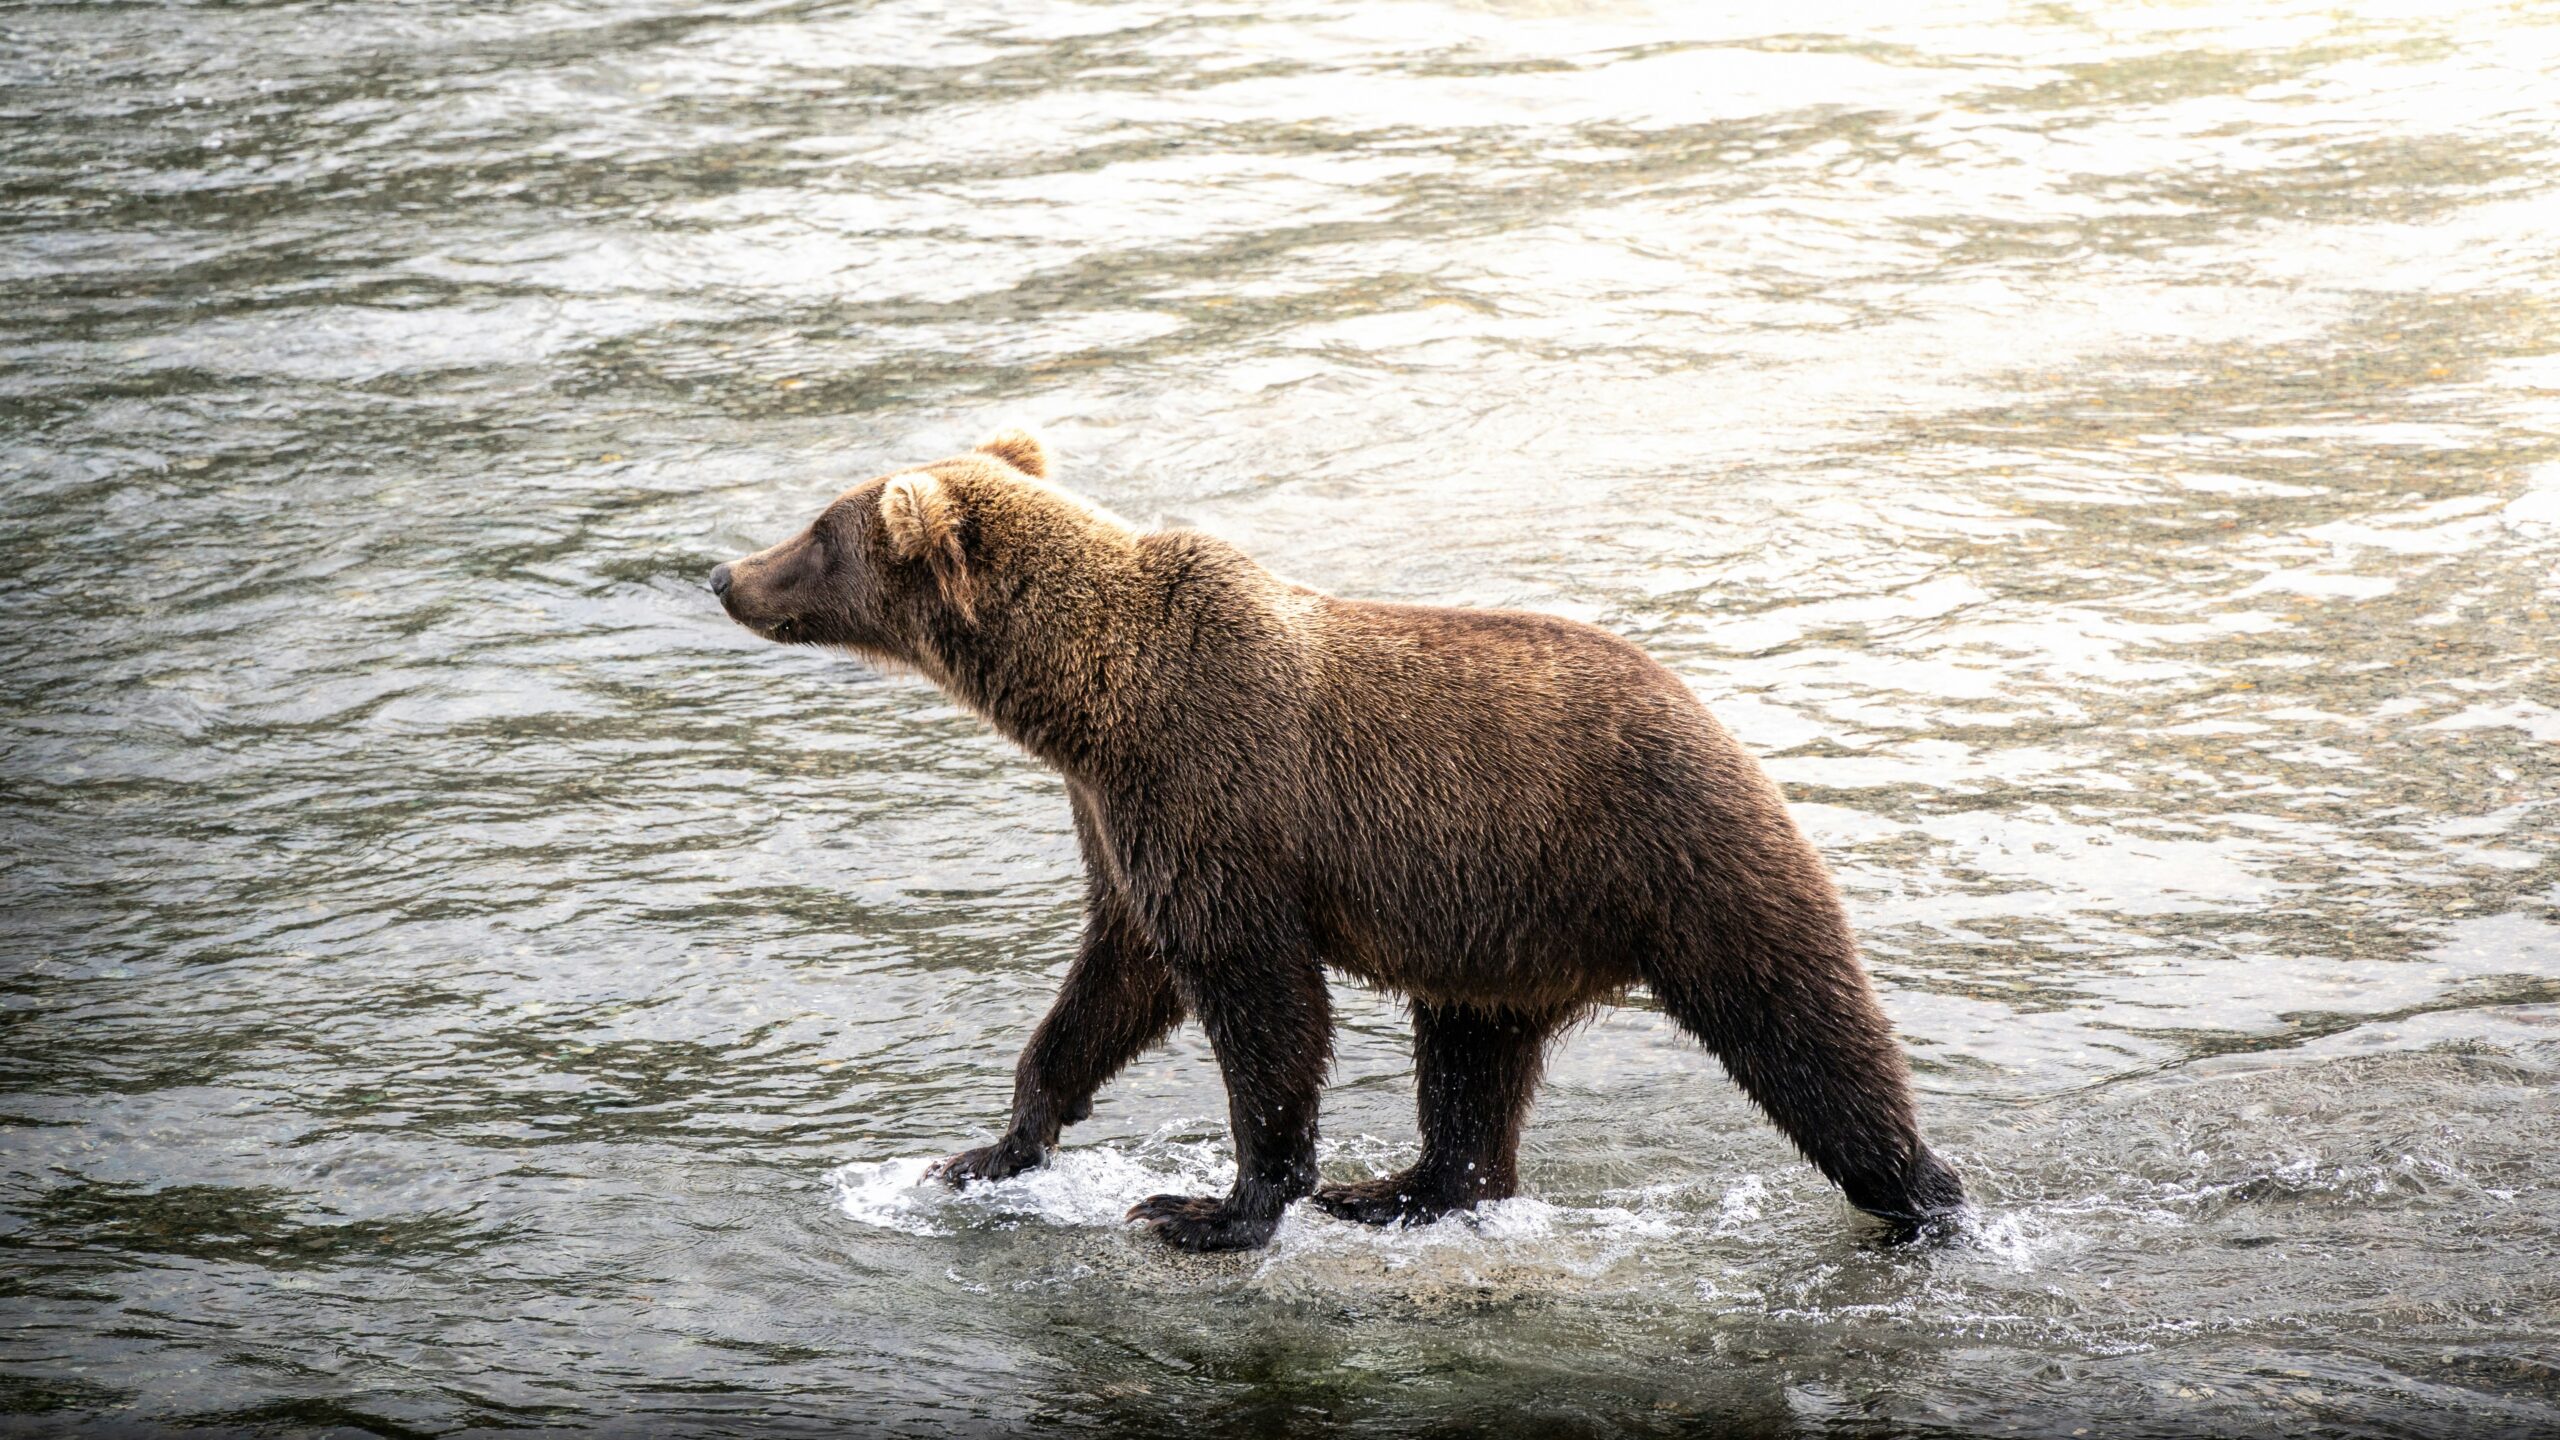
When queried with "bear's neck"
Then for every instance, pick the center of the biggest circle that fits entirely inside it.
(1067, 665)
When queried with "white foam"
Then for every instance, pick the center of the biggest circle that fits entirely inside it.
(887, 1194)
(1522, 1244)
(1087, 1185)
(2014, 1238)
(1741, 1204)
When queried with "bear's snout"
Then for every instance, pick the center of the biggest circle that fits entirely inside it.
(766, 591)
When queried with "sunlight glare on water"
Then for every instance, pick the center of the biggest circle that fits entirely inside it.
(2105, 458)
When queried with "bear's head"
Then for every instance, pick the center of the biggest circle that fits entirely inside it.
(898, 567)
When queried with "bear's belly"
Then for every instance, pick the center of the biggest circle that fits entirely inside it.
(1513, 963)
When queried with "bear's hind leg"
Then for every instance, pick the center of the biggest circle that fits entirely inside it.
(1800, 1031)
(1475, 1072)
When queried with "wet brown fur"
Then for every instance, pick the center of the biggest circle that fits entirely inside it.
(1508, 817)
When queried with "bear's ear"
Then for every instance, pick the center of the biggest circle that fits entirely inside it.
(922, 519)
(1020, 449)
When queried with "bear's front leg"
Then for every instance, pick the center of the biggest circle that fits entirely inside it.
(1262, 1001)
(1118, 999)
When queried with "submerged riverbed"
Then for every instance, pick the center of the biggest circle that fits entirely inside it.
(2105, 458)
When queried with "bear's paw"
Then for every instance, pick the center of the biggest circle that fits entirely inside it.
(1203, 1222)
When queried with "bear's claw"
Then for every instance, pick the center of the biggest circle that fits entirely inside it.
(1201, 1222)
(1000, 1161)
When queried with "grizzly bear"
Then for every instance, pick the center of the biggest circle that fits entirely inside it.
(1508, 817)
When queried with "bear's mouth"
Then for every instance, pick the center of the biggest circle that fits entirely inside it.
(786, 631)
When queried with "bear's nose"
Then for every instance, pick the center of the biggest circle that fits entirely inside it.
(720, 581)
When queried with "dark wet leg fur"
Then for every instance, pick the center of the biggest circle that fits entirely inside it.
(1475, 1072)
(1249, 969)
(1117, 1001)
(1803, 1037)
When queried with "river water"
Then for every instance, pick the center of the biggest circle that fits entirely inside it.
(2105, 457)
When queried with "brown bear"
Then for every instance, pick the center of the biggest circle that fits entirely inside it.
(1508, 817)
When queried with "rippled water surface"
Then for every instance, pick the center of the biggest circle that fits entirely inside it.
(2106, 458)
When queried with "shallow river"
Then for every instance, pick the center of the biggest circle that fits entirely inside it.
(2106, 459)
